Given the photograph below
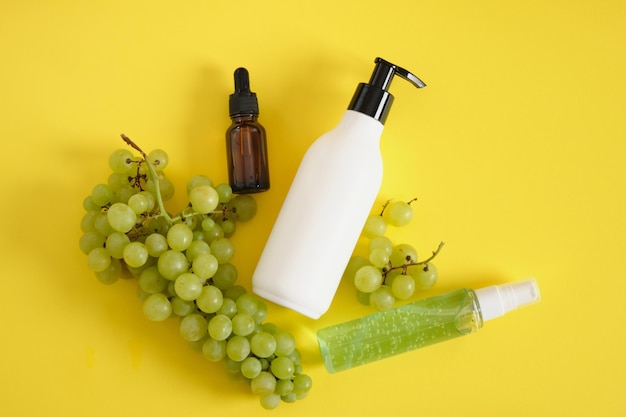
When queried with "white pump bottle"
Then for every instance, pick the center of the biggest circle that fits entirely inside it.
(328, 203)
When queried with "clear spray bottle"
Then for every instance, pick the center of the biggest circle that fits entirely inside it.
(418, 324)
(328, 202)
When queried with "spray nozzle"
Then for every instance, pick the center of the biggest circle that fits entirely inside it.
(373, 98)
(243, 101)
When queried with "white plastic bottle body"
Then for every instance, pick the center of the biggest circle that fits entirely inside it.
(322, 217)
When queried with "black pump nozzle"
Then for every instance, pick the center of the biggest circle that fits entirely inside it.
(373, 98)
(243, 101)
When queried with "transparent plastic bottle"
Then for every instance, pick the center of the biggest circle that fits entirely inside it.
(246, 143)
(418, 324)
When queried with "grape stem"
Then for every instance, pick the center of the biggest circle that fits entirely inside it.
(405, 266)
(153, 176)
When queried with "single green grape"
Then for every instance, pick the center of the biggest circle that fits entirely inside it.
(243, 207)
(172, 263)
(427, 276)
(197, 247)
(243, 324)
(374, 226)
(282, 367)
(283, 387)
(271, 328)
(251, 367)
(403, 286)
(398, 213)
(111, 274)
(151, 281)
(222, 249)
(233, 367)
(285, 343)
(179, 237)
(228, 226)
(102, 194)
(115, 244)
(90, 205)
(270, 401)
(225, 192)
(135, 254)
(91, 240)
(121, 217)
(224, 276)
(290, 397)
(157, 307)
(263, 344)
(228, 308)
(87, 223)
(117, 181)
(157, 225)
(205, 265)
(302, 384)
(215, 232)
(379, 257)
(247, 303)
(210, 299)
(220, 327)
(159, 159)
(235, 292)
(261, 313)
(204, 199)
(188, 286)
(368, 279)
(182, 307)
(238, 348)
(124, 193)
(193, 327)
(382, 299)
(207, 224)
(403, 254)
(139, 203)
(102, 225)
(120, 161)
(98, 259)
(263, 384)
(380, 242)
(150, 198)
(214, 350)
(156, 244)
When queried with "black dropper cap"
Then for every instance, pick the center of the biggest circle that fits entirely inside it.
(243, 101)
(373, 98)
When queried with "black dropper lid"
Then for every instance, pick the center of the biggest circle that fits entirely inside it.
(242, 101)
(373, 98)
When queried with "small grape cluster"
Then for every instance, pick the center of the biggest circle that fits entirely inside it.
(391, 271)
(184, 270)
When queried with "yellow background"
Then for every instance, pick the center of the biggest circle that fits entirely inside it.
(515, 151)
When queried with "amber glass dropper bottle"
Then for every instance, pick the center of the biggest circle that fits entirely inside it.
(246, 144)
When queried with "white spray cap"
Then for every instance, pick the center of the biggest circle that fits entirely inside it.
(497, 300)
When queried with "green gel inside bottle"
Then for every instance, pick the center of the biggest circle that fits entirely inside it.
(399, 330)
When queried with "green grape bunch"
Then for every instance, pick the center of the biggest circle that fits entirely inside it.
(391, 271)
(183, 268)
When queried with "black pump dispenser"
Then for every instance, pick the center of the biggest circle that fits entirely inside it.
(373, 98)
(243, 101)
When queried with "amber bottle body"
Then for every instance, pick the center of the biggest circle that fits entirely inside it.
(246, 149)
